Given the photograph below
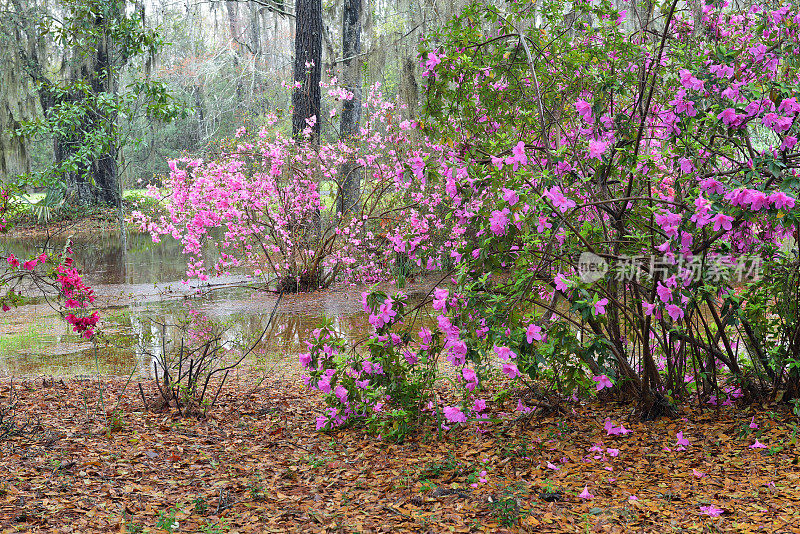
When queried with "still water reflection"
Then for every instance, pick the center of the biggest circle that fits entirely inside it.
(142, 291)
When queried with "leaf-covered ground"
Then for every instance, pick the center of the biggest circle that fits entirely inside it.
(257, 465)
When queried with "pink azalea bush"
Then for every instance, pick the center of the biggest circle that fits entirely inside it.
(664, 158)
(262, 206)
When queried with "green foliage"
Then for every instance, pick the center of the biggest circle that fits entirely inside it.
(769, 314)
(200, 505)
(84, 111)
(403, 381)
(166, 520)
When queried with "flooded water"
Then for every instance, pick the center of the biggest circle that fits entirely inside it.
(143, 303)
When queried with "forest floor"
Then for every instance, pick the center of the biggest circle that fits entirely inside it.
(79, 461)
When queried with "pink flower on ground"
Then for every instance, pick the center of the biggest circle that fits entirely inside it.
(613, 452)
(758, 445)
(553, 466)
(585, 493)
(711, 510)
(611, 430)
(603, 382)
(753, 423)
(683, 442)
(521, 408)
(697, 473)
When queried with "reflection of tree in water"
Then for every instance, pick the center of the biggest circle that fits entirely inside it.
(105, 261)
(290, 331)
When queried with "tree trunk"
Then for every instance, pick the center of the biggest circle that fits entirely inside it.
(350, 178)
(307, 67)
(97, 182)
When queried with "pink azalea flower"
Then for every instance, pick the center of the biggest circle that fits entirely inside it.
(782, 200)
(518, 156)
(510, 370)
(561, 282)
(683, 442)
(341, 393)
(758, 445)
(603, 382)
(664, 293)
(556, 196)
(728, 116)
(454, 414)
(711, 510)
(722, 221)
(584, 109)
(504, 353)
(471, 378)
(697, 473)
(432, 61)
(600, 306)
(613, 452)
(534, 332)
(510, 196)
(585, 493)
(674, 311)
(753, 423)
(553, 466)
(521, 408)
(597, 149)
(498, 222)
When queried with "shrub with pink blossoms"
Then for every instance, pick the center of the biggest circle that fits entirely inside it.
(269, 206)
(49, 272)
(673, 160)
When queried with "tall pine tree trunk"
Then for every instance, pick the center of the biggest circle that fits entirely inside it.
(350, 178)
(307, 67)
